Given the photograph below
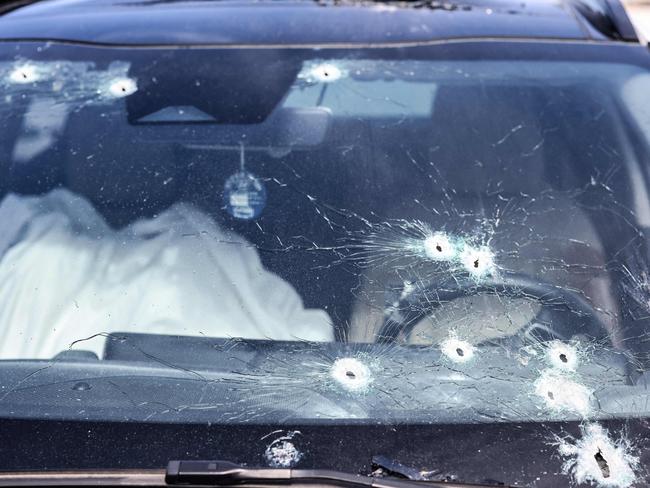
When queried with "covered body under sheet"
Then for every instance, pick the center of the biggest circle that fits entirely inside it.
(65, 275)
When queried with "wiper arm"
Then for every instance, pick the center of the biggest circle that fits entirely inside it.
(216, 473)
(224, 473)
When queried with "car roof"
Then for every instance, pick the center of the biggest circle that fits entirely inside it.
(310, 22)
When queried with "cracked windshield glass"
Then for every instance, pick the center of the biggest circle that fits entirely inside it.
(437, 235)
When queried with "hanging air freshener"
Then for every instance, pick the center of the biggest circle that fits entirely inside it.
(244, 194)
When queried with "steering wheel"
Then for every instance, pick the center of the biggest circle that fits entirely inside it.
(427, 297)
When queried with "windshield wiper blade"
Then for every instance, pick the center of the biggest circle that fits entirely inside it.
(225, 473)
(216, 473)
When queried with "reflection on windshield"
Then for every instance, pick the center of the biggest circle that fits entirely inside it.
(403, 241)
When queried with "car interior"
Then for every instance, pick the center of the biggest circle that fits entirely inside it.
(467, 166)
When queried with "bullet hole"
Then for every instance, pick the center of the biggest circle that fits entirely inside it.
(325, 73)
(561, 392)
(598, 459)
(439, 247)
(602, 463)
(24, 74)
(478, 261)
(352, 374)
(122, 87)
(457, 350)
(282, 453)
(81, 386)
(562, 356)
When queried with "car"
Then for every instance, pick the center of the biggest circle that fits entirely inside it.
(334, 242)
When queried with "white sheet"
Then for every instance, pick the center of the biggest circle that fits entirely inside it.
(66, 275)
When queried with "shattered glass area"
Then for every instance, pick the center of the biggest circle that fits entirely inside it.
(474, 232)
(613, 463)
(282, 452)
(77, 83)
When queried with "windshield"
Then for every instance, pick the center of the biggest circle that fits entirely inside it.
(445, 235)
